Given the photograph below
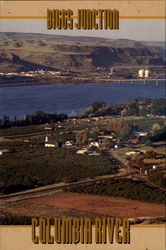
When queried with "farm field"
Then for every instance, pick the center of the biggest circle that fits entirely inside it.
(79, 205)
(33, 167)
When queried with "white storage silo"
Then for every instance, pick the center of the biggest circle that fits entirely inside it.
(146, 73)
(141, 73)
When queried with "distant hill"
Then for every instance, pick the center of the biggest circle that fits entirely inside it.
(158, 47)
(23, 52)
(154, 43)
(12, 60)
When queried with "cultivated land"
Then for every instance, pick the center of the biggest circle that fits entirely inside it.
(82, 205)
(49, 165)
(106, 172)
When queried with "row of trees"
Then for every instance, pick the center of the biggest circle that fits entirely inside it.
(124, 188)
(36, 118)
(10, 219)
(30, 167)
(159, 135)
(136, 107)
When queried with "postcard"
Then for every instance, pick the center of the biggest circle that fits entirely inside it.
(82, 125)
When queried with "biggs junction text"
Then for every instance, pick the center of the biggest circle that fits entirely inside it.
(86, 19)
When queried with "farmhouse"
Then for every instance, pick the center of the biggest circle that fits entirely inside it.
(51, 143)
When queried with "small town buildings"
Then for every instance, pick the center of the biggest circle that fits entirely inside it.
(4, 151)
(51, 143)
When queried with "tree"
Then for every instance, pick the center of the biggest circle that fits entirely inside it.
(150, 154)
(159, 135)
(98, 105)
(155, 128)
(117, 126)
(136, 162)
(81, 138)
(125, 132)
(5, 121)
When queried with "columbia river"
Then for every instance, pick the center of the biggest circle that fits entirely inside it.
(70, 99)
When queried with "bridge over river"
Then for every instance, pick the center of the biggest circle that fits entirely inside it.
(137, 81)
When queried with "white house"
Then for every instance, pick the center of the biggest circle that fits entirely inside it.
(4, 151)
(51, 143)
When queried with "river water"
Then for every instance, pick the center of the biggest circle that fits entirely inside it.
(70, 99)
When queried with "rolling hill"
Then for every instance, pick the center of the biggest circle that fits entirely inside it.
(24, 52)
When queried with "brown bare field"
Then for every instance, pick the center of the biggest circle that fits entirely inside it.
(78, 205)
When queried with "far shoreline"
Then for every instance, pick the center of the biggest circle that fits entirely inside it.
(23, 84)
(14, 84)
